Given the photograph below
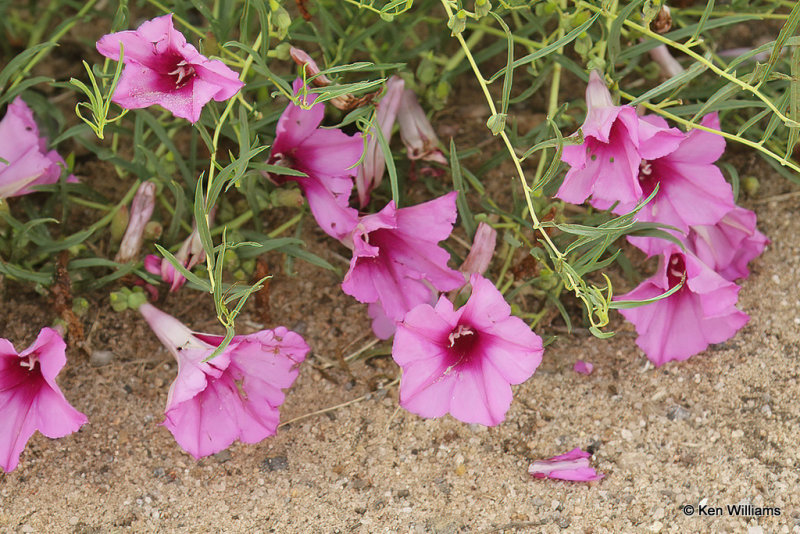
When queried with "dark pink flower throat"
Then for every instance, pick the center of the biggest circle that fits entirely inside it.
(462, 341)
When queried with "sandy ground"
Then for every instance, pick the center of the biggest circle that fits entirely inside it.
(720, 429)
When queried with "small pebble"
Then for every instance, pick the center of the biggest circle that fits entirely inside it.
(275, 463)
(99, 358)
(678, 413)
(736, 434)
(223, 456)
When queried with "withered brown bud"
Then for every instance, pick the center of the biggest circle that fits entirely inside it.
(663, 21)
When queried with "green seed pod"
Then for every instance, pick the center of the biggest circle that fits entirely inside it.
(288, 198)
(458, 22)
(282, 21)
(153, 230)
(750, 185)
(119, 223)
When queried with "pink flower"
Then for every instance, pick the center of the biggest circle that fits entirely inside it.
(582, 367)
(370, 173)
(326, 156)
(480, 255)
(700, 313)
(141, 210)
(669, 65)
(234, 396)
(728, 246)
(30, 399)
(464, 361)
(27, 161)
(691, 189)
(190, 254)
(572, 466)
(416, 131)
(395, 251)
(162, 68)
(606, 165)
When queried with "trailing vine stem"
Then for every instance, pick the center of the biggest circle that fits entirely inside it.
(597, 304)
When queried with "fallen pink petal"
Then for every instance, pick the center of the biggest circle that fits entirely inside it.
(463, 362)
(161, 68)
(235, 395)
(582, 367)
(30, 399)
(573, 466)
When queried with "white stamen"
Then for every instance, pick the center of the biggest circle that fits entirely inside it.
(29, 363)
(645, 169)
(182, 70)
(676, 273)
(462, 330)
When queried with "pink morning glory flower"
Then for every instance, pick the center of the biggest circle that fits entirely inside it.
(30, 399)
(463, 362)
(691, 189)
(685, 323)
(728, 246)
(572, 466)
(606, 165)
(27, 161)
(396, 251)
(370, 173)
(326, 156)
(416, 131)
(582, 367)
(161, 68)
(235, 395)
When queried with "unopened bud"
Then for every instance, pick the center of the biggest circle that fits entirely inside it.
(458, 22)
(482, 7)
(119, 223)
(289, 198)
(153, 230)
(480, 255)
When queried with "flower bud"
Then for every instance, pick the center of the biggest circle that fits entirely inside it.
(119, 222)
(416, 131)
(141, 210)
(480, 255)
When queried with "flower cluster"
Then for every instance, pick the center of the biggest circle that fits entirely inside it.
(621, 161)
(460, 362)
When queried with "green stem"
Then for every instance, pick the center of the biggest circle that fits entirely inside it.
(689, 124)
(700, 59)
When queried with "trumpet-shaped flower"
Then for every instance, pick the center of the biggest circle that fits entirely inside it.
(27, 160)
(235, 395)
(30, 399)
(370, 173)
(691, 189)
(685, 323)
(464, 361)
(606, 165)
(162, 68)
(572, 466)
(395, 251)
(325, 156)
(728, 246)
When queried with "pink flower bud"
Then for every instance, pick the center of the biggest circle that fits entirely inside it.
(141, 211)
(417, 132)
(480, 255)
(370, 174)
(301, 57)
